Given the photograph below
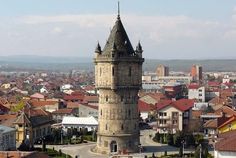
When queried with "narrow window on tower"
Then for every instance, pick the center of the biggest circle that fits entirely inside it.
(106, 98)
(100, 71)
(101, 112)
(122, 127)
(106, 126)
(113, 71)
(121, 98)
(129, 112)
(130, 71)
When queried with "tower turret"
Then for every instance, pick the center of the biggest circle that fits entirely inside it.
(139, 50)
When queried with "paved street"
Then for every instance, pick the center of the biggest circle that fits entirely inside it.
(84, 150)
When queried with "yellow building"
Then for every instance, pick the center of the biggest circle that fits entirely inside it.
(228, 125)
(32, 125)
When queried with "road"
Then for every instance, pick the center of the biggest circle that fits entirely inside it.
(84, 150)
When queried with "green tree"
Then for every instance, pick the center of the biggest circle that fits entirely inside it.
(169, 139)
(18, 106)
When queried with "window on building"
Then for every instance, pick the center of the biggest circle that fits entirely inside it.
(106, 127)
(130, 69)
(101, 112)
(100, 71)
(129, 112)
(122, 127)
(113, 71)
(122, 98)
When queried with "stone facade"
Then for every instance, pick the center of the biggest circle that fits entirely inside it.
(118, 77)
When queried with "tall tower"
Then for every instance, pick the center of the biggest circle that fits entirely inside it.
(196, 72)
(118, 77)
(162, 70)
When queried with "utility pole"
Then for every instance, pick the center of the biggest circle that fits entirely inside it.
(200, 146)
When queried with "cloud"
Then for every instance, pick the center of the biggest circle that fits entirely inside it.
(76, 35)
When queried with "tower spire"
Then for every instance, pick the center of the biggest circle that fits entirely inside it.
(118, 16)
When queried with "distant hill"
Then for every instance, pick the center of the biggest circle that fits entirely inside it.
(86, 63)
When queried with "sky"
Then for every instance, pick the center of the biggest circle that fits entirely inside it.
(167, 29)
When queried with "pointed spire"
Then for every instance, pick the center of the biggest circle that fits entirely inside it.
(118, 15)
(139, 47)
(98, 48)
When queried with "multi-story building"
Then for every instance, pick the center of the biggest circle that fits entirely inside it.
(162, 71)
(173, 116)
(118, 77)
(32, 125)
(196, 92)
(196, 72)
(7, 138)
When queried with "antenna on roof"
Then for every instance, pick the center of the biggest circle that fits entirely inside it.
(118, 17)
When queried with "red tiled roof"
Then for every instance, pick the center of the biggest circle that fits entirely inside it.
(163, 103)
(36, 112)
(72, 104)
(226, 110)
(63, 111)
(37, 96)
(182, 104)
(89, 98)
(228, 143)
(39, 103)
(73, 97)
(193, 86)
(210, 124)
(213, 83)
(143, 106)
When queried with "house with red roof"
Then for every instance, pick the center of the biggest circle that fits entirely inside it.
(173, 116)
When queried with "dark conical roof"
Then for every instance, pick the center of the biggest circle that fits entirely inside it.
(98, 48)
(120, 39)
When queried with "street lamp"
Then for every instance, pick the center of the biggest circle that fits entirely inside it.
(183, 146)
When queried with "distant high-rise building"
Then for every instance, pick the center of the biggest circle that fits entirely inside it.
(118, 77)
(196, 72)
(162, 71)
